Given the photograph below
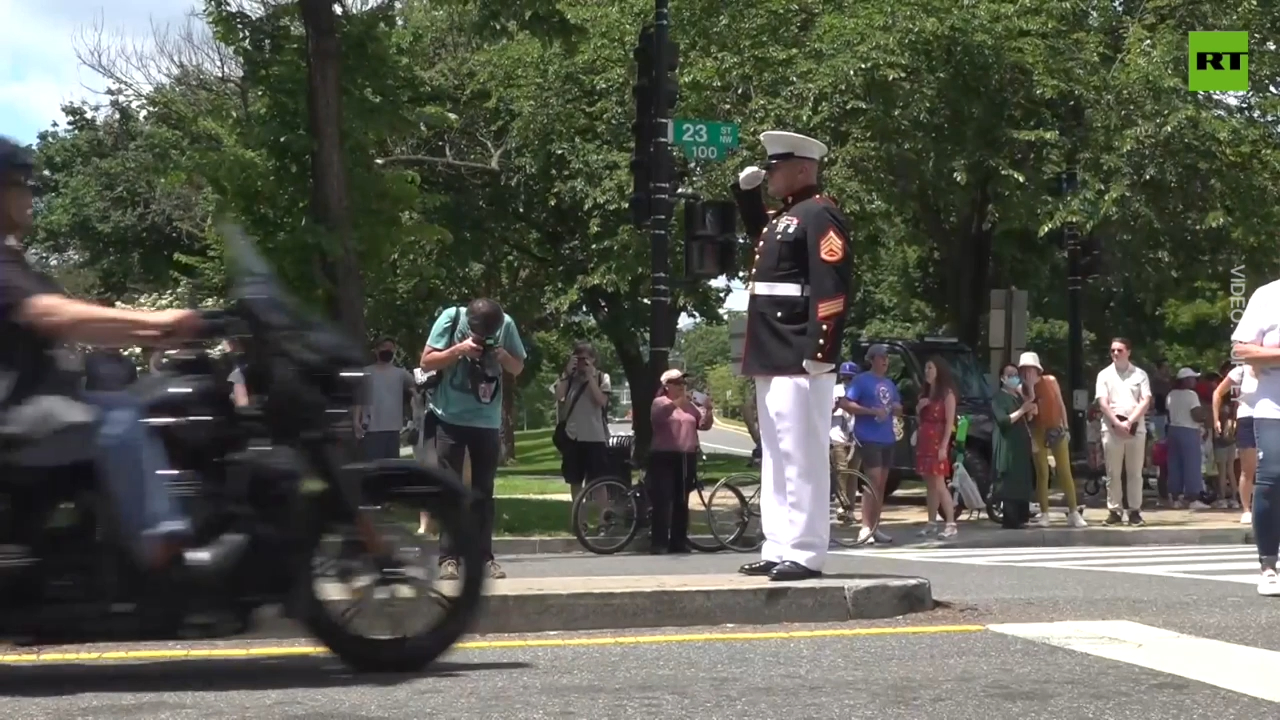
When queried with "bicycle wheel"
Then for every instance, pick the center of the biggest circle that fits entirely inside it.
(741, 532)
(847, 518)
(606, 516)
(704, 516)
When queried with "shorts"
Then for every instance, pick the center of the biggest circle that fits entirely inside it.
(874, 456)
(1245, 438)
(1224, 454)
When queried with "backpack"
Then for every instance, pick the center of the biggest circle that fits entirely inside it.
(435, 377)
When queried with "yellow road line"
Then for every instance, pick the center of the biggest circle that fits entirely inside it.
(227, 653)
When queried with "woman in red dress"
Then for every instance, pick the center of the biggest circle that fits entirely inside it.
(936, 412)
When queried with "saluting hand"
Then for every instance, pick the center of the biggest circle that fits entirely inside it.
(750, 178)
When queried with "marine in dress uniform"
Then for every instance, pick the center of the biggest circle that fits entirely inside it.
(799, 285)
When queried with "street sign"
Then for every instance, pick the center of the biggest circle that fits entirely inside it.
(702, 140)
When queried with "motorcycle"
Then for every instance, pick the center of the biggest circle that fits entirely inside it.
(275, 476)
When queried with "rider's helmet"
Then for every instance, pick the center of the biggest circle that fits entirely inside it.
(848, 369)
(15, 160)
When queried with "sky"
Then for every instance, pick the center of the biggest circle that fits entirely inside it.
(39, 71)
(38, 67)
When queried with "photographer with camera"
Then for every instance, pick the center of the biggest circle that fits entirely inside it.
(582, 432)
(472, 348)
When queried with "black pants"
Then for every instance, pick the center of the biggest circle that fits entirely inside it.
(1016, 514)
(380, 445)
(584, 462)
(454, 443)
(671, 476)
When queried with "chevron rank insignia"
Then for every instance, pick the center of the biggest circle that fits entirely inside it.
(831, 308)
(831, 247)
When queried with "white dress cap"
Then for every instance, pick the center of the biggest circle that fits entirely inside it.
(780, 145)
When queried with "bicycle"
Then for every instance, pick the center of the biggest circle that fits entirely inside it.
(625, 507)
(846, 513)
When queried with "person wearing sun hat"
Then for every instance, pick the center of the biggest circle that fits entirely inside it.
(1186, 420)
(1049, 437)
(799, 288)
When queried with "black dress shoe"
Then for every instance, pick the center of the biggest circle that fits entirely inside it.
(759, 568)
(789, 571)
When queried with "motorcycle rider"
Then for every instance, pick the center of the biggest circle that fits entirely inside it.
(43, 408)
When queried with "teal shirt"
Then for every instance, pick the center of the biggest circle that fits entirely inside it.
(454, 401)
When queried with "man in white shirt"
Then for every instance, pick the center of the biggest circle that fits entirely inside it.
(1257, 342)
(1123, 394)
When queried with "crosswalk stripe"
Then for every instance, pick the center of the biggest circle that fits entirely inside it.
(1156, 561)
(1221, 563)
(1246, 670)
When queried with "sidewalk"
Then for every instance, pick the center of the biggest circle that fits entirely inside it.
(1164, 527)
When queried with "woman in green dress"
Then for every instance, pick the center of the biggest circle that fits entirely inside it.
(1014, 472)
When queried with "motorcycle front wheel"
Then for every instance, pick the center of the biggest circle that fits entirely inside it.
(397, 616)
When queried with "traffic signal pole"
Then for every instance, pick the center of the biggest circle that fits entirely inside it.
(660, 194)
(1075, 319)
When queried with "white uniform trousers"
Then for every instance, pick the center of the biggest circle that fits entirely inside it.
(795, 480)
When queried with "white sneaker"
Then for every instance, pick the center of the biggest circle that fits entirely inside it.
(1043, 520)
(1234, 504)
(1179, 504)
(1197, 505)
(929, 530)
(882, 539)
(1246, 518)
(1076, 521)
(1269, 585)
(865, 537)
(949, 532)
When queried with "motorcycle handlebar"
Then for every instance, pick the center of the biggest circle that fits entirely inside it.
(219, 324)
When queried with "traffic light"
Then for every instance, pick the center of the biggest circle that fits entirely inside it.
(710, 238)
(670, 81)
(642, 129)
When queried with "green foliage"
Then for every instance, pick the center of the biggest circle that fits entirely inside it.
(486, 150)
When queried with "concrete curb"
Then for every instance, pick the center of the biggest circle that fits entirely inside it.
(536, 605)
(969, 538)
(715, 600)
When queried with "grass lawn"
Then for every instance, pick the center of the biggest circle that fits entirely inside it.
(516, 517)
(519, 510)
(536, 456)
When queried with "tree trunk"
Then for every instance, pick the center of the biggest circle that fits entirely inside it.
(606, 308)
(330, 203)
(964, 265)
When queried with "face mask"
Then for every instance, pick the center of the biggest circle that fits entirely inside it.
(386, 355)
(1013, 382)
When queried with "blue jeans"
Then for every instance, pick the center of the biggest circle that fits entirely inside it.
(1266, 491)
(1186, 473)
(134, 468)
(1159, 425)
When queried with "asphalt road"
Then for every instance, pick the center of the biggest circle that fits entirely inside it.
(718, 439)
(916, 669)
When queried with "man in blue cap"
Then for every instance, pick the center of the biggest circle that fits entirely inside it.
(874, 402)
(798, 286)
